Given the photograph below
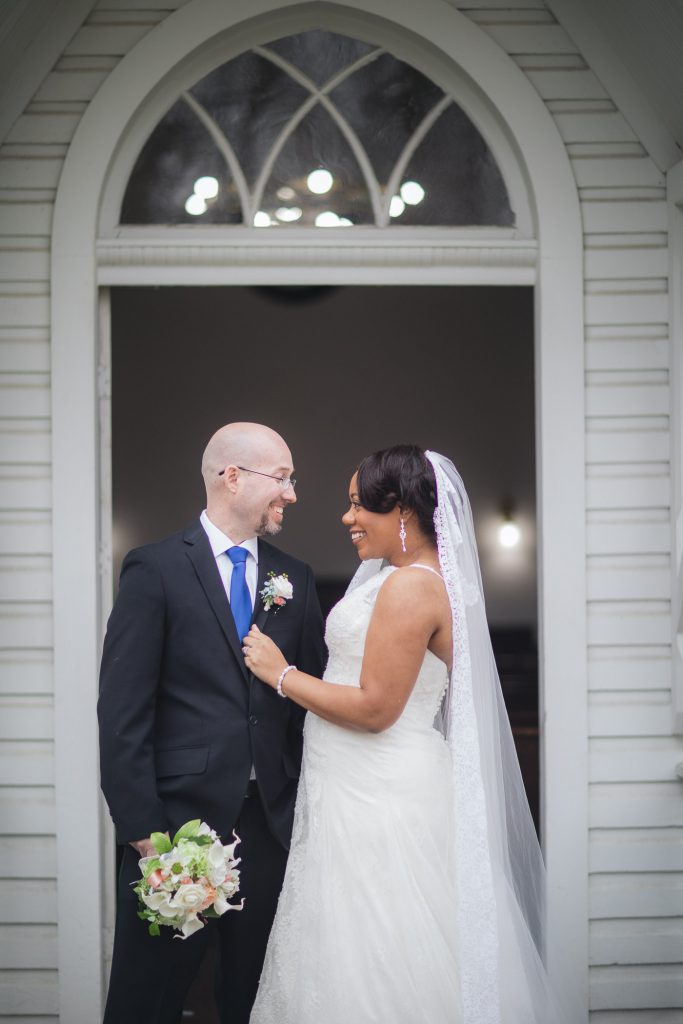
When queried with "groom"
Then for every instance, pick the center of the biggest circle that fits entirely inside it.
(185, 730)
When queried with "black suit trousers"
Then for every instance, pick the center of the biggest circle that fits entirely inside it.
(152, 975)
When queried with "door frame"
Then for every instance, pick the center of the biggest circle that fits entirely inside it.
(83, 262)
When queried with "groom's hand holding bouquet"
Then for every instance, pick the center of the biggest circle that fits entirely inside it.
(188, 880)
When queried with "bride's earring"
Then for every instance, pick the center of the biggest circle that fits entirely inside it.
(402, 534)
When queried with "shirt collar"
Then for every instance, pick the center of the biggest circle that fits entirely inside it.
(220, 542)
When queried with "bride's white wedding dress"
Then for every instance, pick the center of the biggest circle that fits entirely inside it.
(365, 931)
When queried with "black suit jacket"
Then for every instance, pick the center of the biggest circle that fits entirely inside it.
(181, 719)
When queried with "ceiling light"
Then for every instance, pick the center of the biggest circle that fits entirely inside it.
(412, 193)
(195, 205)
(327, 219)
(288, 214)
(396, 206)
(286, 194)
(206, 187)
(509, 535)
(320, 181)
(261, 219)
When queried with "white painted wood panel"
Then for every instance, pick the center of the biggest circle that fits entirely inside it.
(640, 894)
(26, 718)
(26, 763)
(26, 577)
(565, 83)
(22, 306)
(623, 353)
(25, 441)
(624, 486)
(57, 126)
(24, 169)
(636, 805)
(29, 856)
(627, 439)
(630, 713)
(107, 40)
(629, 622)
(28, 487)
(26, 351)
(628, 533)
(27, 217)
(636, 215)
(25, 946)
(28, 263)
(25, 394)
(636, 262)
(75, 79)
(25, 672)
(594, 127)
(28, 811)
(24, 534)
(25, 624)
(637, 849)
(661, 1016)
(628, 393)
(172, 5)
(29, 992)
(596, 171)
(502, 14)
(645, 987)
(615, 307)
(629, 668)
(530, 38)
(468, 7)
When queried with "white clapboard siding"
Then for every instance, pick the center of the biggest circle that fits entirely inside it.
(25, 762)
(26, 577)
(29, 991)
(634, 713)
(635, 850)
(629, 667)
(24, 533)
(26, 717)
(27, 810)
(636, 805)
(29, 946)
(622, 941)
(639, 485)
(30, 216)
(637, 894)
(600, 215)
(25, 487)
(25, 441)
(634, 987)
(629, 1016)
(25, 624)
(627, 532)
(26, 671)
(649, 350)
(53, 123)
(618, 439)
(75, 79)
(24, 350)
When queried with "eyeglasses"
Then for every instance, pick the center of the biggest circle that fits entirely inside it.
(284, 481)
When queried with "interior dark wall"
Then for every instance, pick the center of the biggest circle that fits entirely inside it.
(339, 372)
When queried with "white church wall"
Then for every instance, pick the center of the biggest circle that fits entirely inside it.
(636, 812)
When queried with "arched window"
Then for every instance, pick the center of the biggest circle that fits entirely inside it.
(316, 129)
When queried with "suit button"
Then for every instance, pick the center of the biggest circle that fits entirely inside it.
(253, 720)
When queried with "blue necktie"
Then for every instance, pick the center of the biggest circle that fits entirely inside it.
(240, 598)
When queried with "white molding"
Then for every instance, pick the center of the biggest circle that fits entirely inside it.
(675, 208)
(575, 18)
(179, 258)
(449, 47)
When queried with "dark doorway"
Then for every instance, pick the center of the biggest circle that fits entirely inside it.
(339, 372)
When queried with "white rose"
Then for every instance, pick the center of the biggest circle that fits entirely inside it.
(282, 588)
(190, 897)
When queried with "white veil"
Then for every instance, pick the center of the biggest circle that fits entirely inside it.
(501, 875)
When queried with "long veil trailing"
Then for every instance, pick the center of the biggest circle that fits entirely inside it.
(501, 876)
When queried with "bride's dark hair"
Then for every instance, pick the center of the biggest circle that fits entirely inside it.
(402, 475)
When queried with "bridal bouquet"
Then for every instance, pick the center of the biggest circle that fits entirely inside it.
(189, 880)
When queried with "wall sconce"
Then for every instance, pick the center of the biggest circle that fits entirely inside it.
(509, 533)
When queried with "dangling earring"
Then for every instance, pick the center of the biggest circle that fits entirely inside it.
(402, 534)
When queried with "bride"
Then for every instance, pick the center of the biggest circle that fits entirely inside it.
(414, 886)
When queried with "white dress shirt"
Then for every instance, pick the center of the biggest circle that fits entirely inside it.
(220, 542)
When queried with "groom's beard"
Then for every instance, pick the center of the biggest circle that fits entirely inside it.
(267, 528)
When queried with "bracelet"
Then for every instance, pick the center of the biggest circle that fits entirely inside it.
(284, 672)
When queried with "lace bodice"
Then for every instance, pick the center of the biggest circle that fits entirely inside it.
(347, 627)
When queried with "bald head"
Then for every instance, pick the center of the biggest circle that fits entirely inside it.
(241, 444)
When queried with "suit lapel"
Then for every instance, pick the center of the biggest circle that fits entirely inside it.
(266, 564)
(200, 554)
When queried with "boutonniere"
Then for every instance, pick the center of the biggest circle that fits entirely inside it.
(277, 591)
